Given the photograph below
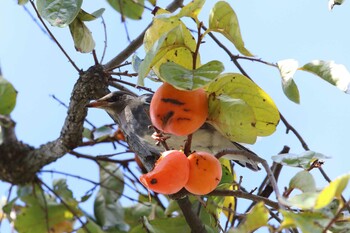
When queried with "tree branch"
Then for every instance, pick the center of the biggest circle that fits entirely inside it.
(192, 219)
(19, 162)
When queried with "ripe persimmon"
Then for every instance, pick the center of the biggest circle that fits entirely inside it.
(170, 173)
(178, 112)
(205, 173)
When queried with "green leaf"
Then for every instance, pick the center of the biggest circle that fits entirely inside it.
(240, 109)
(8, 95)
(22, 2)
(107, 208)
(153, 2)
(287, 70)
(256, 218)
(304, 201)
(92, 227)
(84, 16)
(59, 13)
(87, 134)
(303, 181)
(83, 41)
(60, 187)
(333, 190)
(102, 132)
(32, 217)
(168, 225)
(223, 19)
(134, 213)
(131, 9)
(186, 79)
(335, 74)
(303, 160)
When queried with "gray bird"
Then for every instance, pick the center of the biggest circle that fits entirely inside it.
(130, 112)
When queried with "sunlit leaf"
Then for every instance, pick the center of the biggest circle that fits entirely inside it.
(182, 51)
(59, 13)
(287, 70)
(303, 181)
(335, 74)
(186, 79)
(172, 42)
(333, 190)
(107, 208)
(223, 19)
(303, 160)
(84, 16)
(256, 218)
(131, 9)
(8, 95)
(240, 109)
(332, 3)
(192, 9)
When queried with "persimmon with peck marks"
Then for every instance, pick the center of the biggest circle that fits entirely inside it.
(205, 173)
(178, 112)
(169, 175)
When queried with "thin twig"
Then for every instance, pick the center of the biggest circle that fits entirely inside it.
(54, 38)
(105, 41)
(325, 230)
(76, 215)
(296, 133)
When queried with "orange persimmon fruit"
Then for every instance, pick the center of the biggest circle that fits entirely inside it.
(205, 173)
(170, 173)
(178, 112)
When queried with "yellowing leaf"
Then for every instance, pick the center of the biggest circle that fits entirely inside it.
(331, 72)
(308, 222)
(179, 51)
(287, 70)
(333, 190)
(59, 13)
(82, 37)
(186, 79)
(240, 109)
(192, 9)
(256, 218)
(171, 46)
(223, 19)
(131, 9)
(84, 16)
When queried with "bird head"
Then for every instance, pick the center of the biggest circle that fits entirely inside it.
(114, 101)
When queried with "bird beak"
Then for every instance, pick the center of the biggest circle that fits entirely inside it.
(100, 103)
(97, 104)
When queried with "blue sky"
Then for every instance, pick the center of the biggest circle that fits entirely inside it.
(272, 30)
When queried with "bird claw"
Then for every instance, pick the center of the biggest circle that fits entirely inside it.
(159, 137)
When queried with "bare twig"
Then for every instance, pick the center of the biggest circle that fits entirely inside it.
(54, 38)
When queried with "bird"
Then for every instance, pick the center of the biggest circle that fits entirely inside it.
(131, 113)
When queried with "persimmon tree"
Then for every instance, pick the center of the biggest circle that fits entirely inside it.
(238, 109)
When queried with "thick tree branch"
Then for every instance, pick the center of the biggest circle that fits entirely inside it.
(19, 162)
(192, 219)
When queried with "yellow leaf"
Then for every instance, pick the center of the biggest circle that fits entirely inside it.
(240, 109)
